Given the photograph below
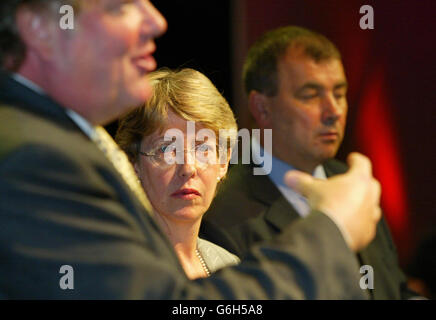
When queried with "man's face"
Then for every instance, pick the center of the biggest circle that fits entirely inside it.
(102, 63)
(308, 113)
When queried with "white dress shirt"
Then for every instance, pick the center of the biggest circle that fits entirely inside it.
(278, 171)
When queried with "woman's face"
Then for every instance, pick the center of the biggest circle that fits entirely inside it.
(179, 191)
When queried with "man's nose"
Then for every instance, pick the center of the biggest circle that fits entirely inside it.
(332, 109)
(154, 24)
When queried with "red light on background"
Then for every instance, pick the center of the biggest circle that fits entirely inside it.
(376, 139)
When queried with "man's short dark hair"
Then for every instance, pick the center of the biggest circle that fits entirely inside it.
(12, 48)
(260, 67)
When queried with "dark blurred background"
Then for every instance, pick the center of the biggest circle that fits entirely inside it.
(391, 77)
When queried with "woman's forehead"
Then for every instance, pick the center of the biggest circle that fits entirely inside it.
(189, 130)
(176, 122)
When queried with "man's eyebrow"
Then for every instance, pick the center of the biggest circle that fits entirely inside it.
(309, 85)
(340, 85)
(317, 86)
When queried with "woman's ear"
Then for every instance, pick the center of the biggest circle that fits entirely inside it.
(224, 166)
(223, 170)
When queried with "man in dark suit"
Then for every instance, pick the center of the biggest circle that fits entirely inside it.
(73, 223)
(296, 88)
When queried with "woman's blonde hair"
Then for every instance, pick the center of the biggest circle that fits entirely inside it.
(187, 93)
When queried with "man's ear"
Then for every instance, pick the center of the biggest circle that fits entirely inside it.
(259, 106)
(37, 30)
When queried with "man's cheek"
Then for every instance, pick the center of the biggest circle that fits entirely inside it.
(124, 40)
(343, 123)
(115, 48)
(115, 38)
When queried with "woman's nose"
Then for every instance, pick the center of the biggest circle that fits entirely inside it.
(188, 168)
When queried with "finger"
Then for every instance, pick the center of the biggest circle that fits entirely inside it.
(299, 181)
(359, 164)
(378, 189)
(377, 213)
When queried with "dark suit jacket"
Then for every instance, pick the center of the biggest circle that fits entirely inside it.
(63, 203)
(250, 209)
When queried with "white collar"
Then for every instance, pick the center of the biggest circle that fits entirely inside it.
(278, 171)
(82, 123)
(27, 83)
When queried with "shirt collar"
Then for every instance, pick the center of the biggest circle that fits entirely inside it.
(278, 171)
(80, 121)
(279, 167)
(27, 83)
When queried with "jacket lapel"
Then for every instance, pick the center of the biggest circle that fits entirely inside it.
(280, 212)
(262, 188)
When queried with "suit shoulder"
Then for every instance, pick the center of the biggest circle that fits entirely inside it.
(20, 129)
(231, 193)
(236, 179)
(235, 201)
(11, 128)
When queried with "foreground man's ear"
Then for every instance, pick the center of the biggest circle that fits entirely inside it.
(38, 31)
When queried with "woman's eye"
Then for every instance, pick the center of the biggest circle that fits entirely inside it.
(166, 148)
(204, 148)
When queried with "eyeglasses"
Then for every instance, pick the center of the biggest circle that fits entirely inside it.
(168, 153)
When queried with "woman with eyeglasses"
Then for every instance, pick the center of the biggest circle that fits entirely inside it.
(180, 145)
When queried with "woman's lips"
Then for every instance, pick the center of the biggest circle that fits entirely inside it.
(186, 194)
